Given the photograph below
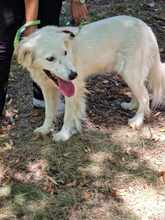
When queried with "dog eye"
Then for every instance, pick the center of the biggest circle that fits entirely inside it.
(50, 59)
(65, 53)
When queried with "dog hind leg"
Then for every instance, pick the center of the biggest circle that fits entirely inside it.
(142, 96)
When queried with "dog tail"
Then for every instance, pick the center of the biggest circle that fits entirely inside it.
(157, 83)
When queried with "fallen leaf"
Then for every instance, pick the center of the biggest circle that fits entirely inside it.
(87, 195)
(74, 183)
(114, 193)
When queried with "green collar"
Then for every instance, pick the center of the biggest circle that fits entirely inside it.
(82, 23)
(22, 29)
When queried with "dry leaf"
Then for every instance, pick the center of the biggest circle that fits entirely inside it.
(87, 195)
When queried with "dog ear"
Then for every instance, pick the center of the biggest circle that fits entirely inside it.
(24, 55)
(70, 31)
(71, 34)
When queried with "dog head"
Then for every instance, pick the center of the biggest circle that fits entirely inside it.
(47, 51)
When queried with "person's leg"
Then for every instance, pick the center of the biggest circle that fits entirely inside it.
(11, 17)
(49, 14)
(5, 58)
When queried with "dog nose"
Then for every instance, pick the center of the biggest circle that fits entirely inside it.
(72, 75)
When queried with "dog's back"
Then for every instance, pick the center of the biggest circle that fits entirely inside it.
(109, 39)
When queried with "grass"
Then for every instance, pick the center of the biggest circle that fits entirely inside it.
(93, 178)
(88, 173)
(95, 175)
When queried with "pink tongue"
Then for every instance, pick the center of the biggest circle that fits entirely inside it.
(66, 87)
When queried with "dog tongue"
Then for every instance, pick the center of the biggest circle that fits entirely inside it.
(66, 87)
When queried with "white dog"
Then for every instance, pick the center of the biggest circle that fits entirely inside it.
(60, 59)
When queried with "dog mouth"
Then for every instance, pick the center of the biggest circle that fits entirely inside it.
(67, 88)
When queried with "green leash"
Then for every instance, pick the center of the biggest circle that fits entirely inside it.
(22, 29)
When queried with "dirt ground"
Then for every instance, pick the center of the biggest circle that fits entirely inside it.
(109, 172)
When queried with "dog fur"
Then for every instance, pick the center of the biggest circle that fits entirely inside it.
(122, 44)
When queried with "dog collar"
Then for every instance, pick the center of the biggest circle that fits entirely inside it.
(22, 29)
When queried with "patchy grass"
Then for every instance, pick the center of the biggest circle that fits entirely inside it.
(109, 172)
(91, 176)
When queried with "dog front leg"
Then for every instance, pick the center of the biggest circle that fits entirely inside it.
(51, 97)
(75, 109)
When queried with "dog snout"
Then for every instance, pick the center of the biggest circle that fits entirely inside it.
(72, 75)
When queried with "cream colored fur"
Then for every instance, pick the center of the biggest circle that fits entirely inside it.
(123, 44)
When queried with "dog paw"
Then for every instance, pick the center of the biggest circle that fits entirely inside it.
(136, 122)
(63, 135)
(41, 131)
